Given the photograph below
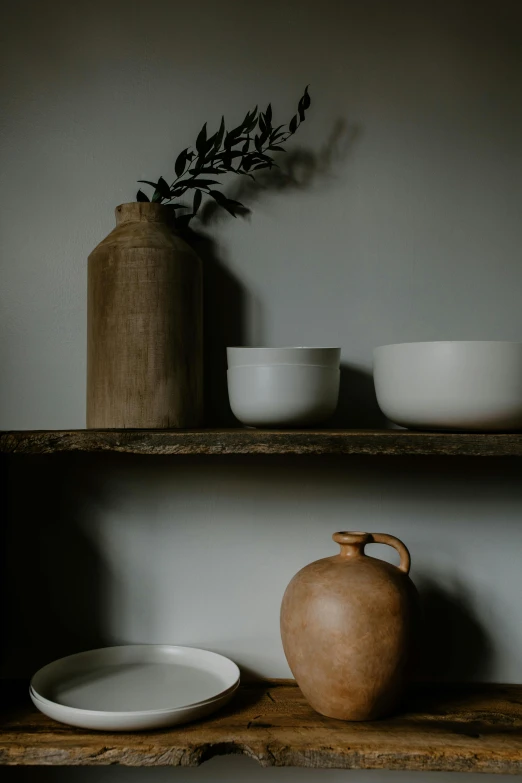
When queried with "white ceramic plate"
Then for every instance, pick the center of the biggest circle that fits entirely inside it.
(134, 687)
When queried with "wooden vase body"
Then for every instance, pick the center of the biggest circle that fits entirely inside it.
(347, 625)
(145, 325)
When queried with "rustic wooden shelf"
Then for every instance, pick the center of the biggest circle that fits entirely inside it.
(469, 728)
(248, 441)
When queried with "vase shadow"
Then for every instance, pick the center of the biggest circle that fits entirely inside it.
(226, 303)
(54, 577)
(357, 407)
(454, 644)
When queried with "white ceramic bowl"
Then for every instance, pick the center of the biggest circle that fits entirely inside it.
(283, 395)
(324, 357)
(474, 386)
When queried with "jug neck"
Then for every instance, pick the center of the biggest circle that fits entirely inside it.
(352, 543)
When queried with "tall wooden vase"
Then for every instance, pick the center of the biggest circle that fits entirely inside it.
(145, 325)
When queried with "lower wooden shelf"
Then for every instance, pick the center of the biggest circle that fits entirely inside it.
(457, 728)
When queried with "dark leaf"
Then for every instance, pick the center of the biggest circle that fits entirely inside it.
(275, 148)
(218, 196)
(146, 182)
(178, 206)
(268, 114)
(252, 125)
(229, 154)
(163, 188)
(206, 170)
(219, 135)
(264, 136)
(181, 162)
(210, 143)
(177, 191)
(257, 142)
(199, 163)
(261, 156)
(262, 166)
(233, 137)
(245, 146)
(190, 155)
(202, 140)
(197, 201)
(306, 99)
(262, 123)
(250, 120)
(224, 202)
(249, 117)
(301, 110)
(235, 133)
(140, 196)
(275, 130)
(247, 163)
(201, 183)
(293, 124)
(157, 197)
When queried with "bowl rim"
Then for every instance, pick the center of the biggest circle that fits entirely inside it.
(451, 342)
(283, 348)
(273, 365)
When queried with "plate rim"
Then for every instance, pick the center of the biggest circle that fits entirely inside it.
(230, 690)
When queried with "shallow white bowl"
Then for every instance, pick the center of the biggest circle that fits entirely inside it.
(463, 385)
(134, 687)
(324, 357)
(283, 395)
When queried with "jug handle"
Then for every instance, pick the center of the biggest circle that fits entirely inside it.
(384, 538)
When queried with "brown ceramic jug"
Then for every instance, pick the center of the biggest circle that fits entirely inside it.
(347, 625)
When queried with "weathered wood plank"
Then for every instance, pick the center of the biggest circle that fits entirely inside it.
(250, 441)
(470, 728)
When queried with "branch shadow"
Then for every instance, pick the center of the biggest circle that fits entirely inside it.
(299, 169)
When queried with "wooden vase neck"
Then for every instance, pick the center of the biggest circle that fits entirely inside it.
(142, 212)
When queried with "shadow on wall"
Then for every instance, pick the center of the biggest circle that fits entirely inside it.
(357, 406)
(298, 169)
(227, 303)
(56, 581)
(455, 646)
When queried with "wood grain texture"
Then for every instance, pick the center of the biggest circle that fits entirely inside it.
(247, 441)
(144, 325)
(470, 728)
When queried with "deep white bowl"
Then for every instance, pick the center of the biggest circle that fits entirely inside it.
(463, 385)
(324, 357)
(283, 395)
